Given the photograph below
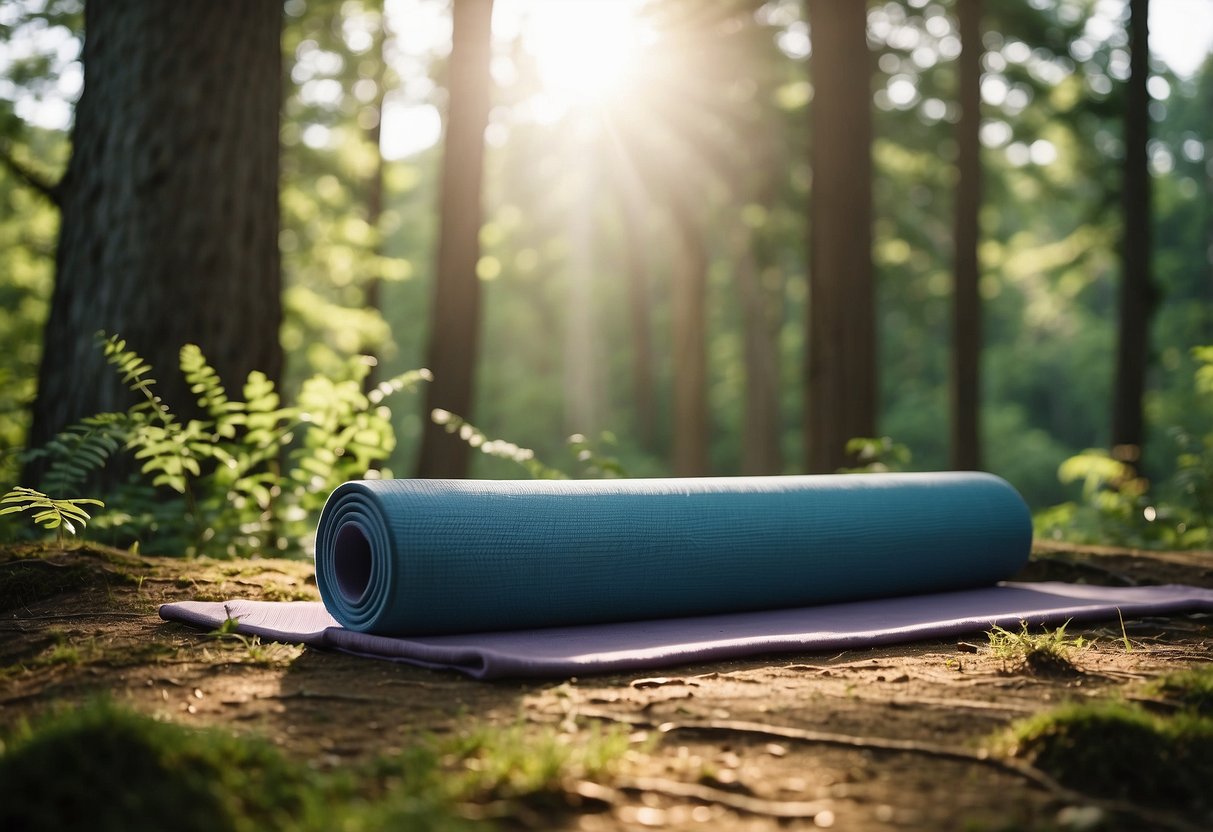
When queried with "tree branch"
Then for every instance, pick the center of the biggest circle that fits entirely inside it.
(31, 177)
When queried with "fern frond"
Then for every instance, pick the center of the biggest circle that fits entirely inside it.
(52, 514)
(208, 390)
(82, 448)
(498, 448)
(133, 371)
(404, 381)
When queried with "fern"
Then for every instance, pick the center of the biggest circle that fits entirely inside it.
(52, 514)
(217, 483)
(134, 373)
(81, 449)
(498, 448)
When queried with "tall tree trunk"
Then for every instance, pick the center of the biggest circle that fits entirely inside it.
(688, 297)
(1137, 293)
(169, 225)
(966, 302)
(455, 319)
(373, 292)
(636, 246)
(760, 445)
(841, 365)
(582, 368)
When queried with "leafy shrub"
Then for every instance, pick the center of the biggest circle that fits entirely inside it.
(247, 476)
(1120, 505)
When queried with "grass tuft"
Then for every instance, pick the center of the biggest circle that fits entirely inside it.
(1046, 653)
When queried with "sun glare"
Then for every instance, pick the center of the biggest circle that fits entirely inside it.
(583, 49)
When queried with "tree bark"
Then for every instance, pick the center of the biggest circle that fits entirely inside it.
(1137, 292)
(169, 229)
(636, 244)
(373, 292)
(691, 429)
(966, 302)
(840, 384)
(760, 439)
(455, 320)
(583, 388)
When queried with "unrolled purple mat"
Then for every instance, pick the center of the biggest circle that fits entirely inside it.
(556, 652)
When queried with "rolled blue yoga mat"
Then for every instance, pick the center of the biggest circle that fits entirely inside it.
(429, 557)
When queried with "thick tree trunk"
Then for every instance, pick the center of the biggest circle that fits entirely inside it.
(455, 319)
(1137, 293)
(691, 428)
(840, 384)
(966, 302)
(170, 203)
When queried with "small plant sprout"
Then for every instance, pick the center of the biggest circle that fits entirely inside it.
(57, 515)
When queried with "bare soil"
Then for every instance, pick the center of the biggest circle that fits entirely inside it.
(887, 738)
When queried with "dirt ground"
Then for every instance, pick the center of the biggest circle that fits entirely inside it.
(887, 738)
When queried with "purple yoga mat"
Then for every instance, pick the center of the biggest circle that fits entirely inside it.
(642, 645)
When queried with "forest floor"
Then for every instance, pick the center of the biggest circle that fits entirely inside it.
(888, 738)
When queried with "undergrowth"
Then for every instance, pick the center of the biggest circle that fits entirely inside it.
(104, 768)
(1120, 504)
(247, 477)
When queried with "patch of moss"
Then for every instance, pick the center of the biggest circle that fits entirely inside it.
(1191, 689)
(1117, 750)
(28, 580)
(104, 768)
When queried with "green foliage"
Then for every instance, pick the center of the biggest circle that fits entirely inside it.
(1117, 750)
(1122, 506)
(58, 516)
(593, 463)
(877, 456)
(245, 478)
(497, 448)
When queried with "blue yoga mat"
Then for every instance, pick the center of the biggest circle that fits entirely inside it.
(432, 557)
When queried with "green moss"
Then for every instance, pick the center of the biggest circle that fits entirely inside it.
(104, 768)
(1117, 750)
(1192, 689)
(30, 580)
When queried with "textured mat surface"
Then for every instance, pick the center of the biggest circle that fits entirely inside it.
(429, 557)
(638, 645)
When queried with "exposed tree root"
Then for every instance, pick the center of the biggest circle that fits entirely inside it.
(1019, 768)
